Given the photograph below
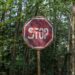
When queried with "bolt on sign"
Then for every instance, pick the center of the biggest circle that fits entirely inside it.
(38, 33)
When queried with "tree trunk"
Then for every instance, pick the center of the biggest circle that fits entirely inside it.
(73, 40)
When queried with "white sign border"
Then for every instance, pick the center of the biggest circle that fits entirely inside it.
(26, 40)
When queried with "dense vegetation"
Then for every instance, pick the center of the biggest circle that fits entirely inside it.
(16, 58)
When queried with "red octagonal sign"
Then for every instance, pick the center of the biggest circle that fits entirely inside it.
(38, 33)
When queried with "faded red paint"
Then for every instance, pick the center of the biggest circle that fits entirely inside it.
(42, 27)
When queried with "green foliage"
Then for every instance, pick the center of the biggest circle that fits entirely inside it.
(14, 54)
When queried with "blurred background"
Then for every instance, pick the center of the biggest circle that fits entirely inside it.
(16, 58)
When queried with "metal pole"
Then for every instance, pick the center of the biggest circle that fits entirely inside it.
(38, 63)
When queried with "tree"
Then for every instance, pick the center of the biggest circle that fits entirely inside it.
(15, 55)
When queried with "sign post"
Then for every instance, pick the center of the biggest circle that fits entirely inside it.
(38, 34)
(38, 63)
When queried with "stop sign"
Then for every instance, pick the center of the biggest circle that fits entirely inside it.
(38, 33)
